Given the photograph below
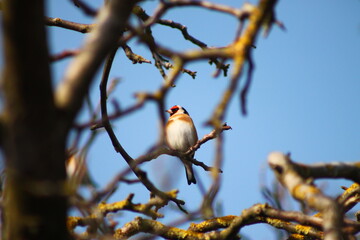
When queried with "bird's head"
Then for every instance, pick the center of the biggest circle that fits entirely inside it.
(177, 109)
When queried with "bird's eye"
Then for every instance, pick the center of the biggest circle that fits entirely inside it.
(175, 109)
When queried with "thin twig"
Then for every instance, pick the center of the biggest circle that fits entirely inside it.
(135, 58)
(79, 27)
(63, 55)
(245, 91)
(85, 8)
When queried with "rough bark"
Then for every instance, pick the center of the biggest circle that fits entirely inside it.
(34, 146)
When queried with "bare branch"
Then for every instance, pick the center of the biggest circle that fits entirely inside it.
(86, 8)
(259, 213)
(350, 170)
(63, 55)
(244, 92)
(57, 22)
(111, 22)
(304, 191)
(213, 134)
(205, 4)
(350, 197)
(150, 226)
(144, 17)
(134, 57)
(240, 53)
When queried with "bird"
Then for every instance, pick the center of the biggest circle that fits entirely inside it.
(180, 136)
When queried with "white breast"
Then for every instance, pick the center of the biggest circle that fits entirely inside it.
(180, 135)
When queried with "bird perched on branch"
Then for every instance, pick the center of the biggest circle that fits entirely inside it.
(180, 136)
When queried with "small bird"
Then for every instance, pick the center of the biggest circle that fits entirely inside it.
(181, 135)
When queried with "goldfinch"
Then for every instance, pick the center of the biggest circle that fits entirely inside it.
(181, 135)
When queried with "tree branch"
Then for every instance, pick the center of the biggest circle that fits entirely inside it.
(111, 22)
(63, 55)
(58, 22)
(240, 53)
(306, 192)
(83, 6)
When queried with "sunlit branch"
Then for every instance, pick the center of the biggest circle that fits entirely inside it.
(102, 209)
(350, 197)
(240, 53)
(305, 191)
(58, 22)
(259, 213)
(135, 58)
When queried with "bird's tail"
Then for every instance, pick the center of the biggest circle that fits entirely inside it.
(190, 176)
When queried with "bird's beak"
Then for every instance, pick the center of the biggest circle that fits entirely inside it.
(168, 111)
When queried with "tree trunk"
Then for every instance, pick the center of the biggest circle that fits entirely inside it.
(32, 138)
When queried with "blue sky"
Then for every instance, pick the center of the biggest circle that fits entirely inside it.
(304, 99)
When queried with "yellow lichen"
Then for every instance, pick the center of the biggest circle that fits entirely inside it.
(72, 222)
(303, 229)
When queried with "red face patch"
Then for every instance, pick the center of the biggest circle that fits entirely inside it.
(174, 109)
